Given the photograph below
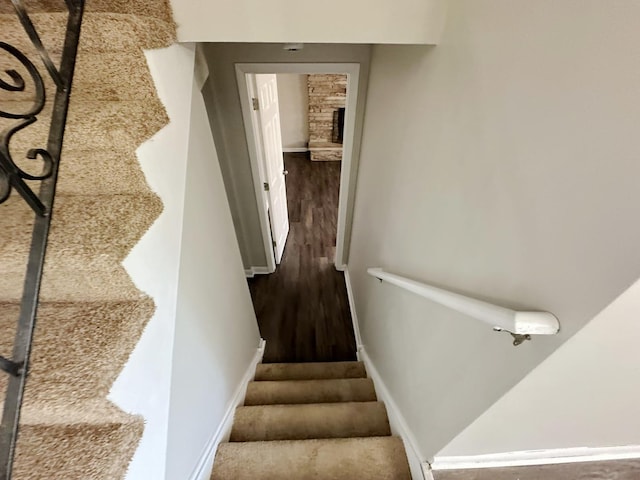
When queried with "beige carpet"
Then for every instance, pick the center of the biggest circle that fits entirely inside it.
(91, 315)
(311, 421)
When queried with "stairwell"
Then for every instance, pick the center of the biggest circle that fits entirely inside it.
(311, 421)
(299, 421)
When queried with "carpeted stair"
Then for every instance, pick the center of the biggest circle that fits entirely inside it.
(91, 315)
(304, 421)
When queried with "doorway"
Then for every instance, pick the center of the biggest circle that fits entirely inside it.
(302, 306)
(268, 174)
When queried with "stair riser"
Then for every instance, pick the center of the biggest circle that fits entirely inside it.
(309, 371)
(310, 391)
(301, 422)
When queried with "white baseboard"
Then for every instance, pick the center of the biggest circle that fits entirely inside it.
(352, 307)
(295, 149)
(253, 271)
(202, 471)
(427, 472)
(397, 422)
(536, 457)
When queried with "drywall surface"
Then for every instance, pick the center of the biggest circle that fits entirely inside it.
(583, 395)
(223, 105)
(501, 164)
(216, 333)
(293, 99)
(231, 188)
(144, 385)
(332, 21)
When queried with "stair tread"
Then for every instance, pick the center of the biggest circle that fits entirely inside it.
(310, 371)
(87, 230)
(373, 458)
(315, 420)
(113, 172)
(310, 391)
(98, 124)
(76, 450)
(101, 32)
(95, 411)
(74, 284)
(70, 360)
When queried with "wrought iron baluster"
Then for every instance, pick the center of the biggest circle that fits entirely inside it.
(12, 177)
(21, 11)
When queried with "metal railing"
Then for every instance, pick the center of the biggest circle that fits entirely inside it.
(521, 325)
(14, 179)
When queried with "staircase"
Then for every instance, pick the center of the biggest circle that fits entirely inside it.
(91, 315)
(311, 421)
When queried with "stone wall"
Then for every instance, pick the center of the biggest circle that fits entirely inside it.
(327, 93)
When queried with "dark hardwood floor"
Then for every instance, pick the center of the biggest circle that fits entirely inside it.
(604, 470)
(302, 308)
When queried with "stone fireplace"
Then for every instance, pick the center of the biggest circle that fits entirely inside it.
(327, 95)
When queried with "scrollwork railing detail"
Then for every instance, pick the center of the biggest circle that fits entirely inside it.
(11, 175)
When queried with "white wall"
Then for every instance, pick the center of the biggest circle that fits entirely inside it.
(293, 100)
(143, 387)
(225, 114)
(203, 335)
(332, 21)
(585, 394)
(502, 164)
(216, 335)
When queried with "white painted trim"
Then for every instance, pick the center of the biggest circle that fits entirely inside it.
(202, 470)
(352, 307)
(534, 323)
(349, 163)
(397, 422)
(295, 149)
(253, 271)
(201, 67)
(247, 91)
(427, 472)
(537, 457)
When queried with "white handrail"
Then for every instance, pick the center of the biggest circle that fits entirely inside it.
(520, 323)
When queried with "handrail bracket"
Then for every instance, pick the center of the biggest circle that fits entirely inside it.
(518, 338)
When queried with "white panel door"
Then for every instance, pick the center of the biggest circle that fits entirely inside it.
(269, 122)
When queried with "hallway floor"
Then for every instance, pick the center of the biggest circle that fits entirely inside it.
(622, 469)
(302, 308)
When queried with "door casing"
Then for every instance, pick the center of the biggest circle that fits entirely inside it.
(348, 169)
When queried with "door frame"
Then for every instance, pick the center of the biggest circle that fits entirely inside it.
(347, 176)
